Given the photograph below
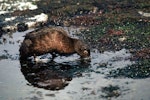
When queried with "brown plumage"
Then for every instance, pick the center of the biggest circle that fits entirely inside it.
(51, 40)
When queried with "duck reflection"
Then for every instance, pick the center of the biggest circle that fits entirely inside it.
(52, 75)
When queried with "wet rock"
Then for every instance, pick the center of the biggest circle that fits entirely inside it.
(1, 30)
(3, 57)
(116, 36)
(4, 40)
(139, 70)
(86, 20)
(111, 91)
(66, 23)
(84, 13)
(22, 27)
(142, 54)
(115, 32)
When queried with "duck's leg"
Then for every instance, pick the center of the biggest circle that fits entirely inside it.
(35, 60)
(53, 56)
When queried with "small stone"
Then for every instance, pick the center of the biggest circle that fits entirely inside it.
(22, 27)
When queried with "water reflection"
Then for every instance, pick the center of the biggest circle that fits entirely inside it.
(52, 75)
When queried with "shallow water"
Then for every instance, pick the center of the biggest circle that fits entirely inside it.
(75, 79)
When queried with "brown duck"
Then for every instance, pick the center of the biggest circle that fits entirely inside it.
(53, 41)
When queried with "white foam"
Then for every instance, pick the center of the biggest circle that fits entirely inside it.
(17, 5)
(10, 19)
(144, 14)
(40, 18)
(3, 12)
